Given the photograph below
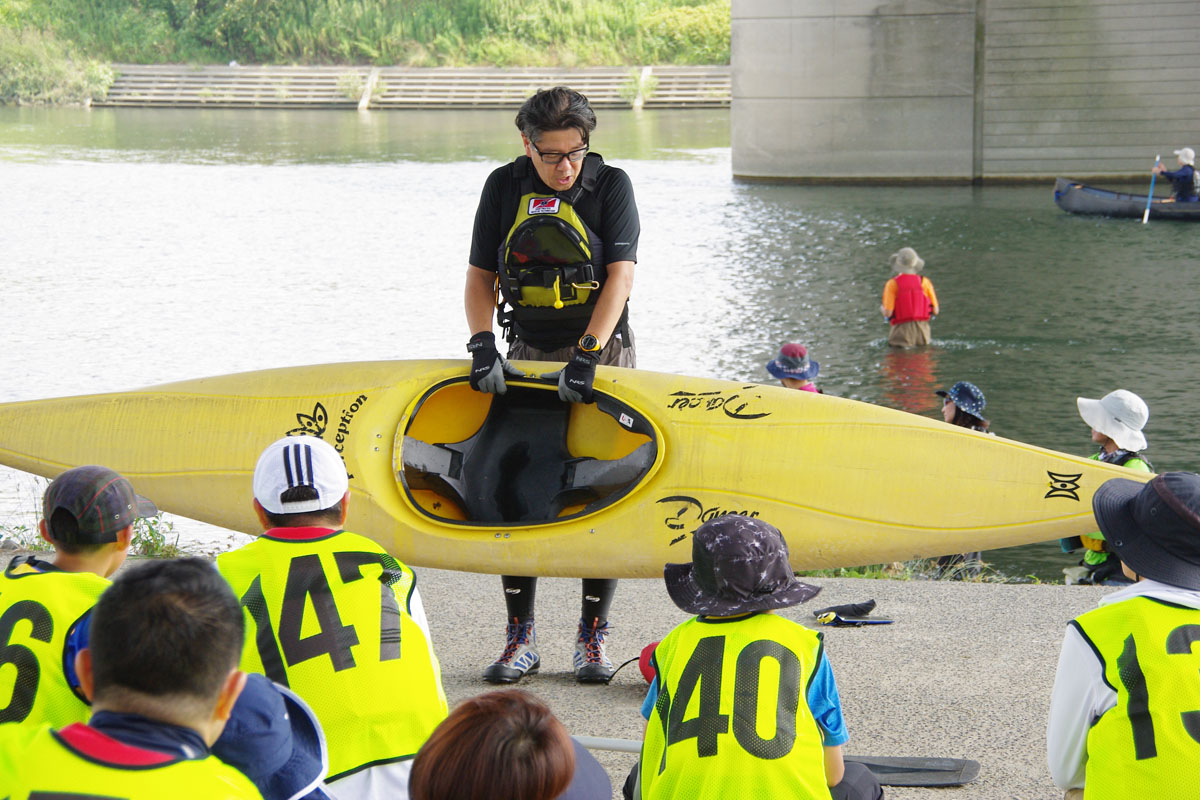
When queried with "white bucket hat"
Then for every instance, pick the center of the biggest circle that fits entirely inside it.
(1119, 415)
(1187, 155)
(906, 260)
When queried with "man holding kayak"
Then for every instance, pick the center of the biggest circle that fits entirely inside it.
(553, 250)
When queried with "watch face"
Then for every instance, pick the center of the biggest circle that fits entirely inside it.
(589, 343)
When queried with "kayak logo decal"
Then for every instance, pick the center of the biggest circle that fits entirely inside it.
(732, 403)
(692, 513)
(311, 424)
(316, 423)
(1064, 485)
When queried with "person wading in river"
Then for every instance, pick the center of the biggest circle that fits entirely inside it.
(909, 301)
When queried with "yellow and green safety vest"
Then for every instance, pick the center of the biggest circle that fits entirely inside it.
(37, 611)
(327, 614)
(80, 762)
(1097, 552)
(732, 719)
(1148, 744)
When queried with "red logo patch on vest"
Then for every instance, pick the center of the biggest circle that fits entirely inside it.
(543, 205)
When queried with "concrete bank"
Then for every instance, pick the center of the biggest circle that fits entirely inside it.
(965, 671)
(383, 88)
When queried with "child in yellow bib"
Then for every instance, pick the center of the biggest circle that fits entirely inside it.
(1126, 700)
(719, 675)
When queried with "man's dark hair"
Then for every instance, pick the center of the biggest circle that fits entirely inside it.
(555, 110)
(326, 517)
(166, 628)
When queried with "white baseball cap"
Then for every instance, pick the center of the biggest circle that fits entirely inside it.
(1119, 415)
(1187, 155)
(299, 461)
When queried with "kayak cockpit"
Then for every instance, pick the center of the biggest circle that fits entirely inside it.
(521, 457)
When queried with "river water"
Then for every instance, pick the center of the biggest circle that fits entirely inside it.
(143, 246)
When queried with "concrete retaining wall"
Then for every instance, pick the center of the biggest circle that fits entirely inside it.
(175, 86)
(960, 90)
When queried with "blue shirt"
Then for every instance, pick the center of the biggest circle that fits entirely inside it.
(822, 697)
(1183, 183)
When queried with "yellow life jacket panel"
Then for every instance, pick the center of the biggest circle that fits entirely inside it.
(81, 762)
(1148, 744)
(551, 265)
(1135, 461)
(328, 615)
(38, 609)
(732, 719)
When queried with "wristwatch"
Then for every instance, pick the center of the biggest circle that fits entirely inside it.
(589, 343)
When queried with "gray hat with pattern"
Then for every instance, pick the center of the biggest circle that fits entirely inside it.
(739, 565)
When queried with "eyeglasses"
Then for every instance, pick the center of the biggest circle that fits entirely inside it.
(575, 156)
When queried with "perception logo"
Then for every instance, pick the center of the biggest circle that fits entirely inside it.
(311, 424)
(1062, 485)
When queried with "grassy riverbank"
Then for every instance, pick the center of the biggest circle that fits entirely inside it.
(382, 32)
(37, 67)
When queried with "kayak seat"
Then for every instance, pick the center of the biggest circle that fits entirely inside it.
(516, 467)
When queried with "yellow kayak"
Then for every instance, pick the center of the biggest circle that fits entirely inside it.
(521, 483)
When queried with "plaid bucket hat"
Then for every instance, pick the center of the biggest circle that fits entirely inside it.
(739, 565)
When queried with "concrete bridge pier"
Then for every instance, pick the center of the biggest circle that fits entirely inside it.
(961, 90)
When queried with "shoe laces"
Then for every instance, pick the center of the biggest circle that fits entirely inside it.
(516, 634)
(592, 639)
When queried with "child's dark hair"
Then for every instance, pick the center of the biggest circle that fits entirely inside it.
(166, 628)
(964, 420)
(326, 517)
(555, 110)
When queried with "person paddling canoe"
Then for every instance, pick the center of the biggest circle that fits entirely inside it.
(1185, 181)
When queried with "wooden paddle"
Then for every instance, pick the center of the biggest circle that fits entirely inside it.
(1150, 197)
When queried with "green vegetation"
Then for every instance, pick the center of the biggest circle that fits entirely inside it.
(505, 33)
(37, 67)
(921, 570)
(150, 538)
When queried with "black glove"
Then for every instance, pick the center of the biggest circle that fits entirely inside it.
(488, 367)
(575, 379)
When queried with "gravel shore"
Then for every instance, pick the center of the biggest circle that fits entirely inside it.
(964, 672)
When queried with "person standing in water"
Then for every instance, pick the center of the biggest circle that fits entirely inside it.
(909, 301)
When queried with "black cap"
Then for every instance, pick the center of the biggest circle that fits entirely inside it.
(739, 564)
(1154, 527)
(88, 505)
